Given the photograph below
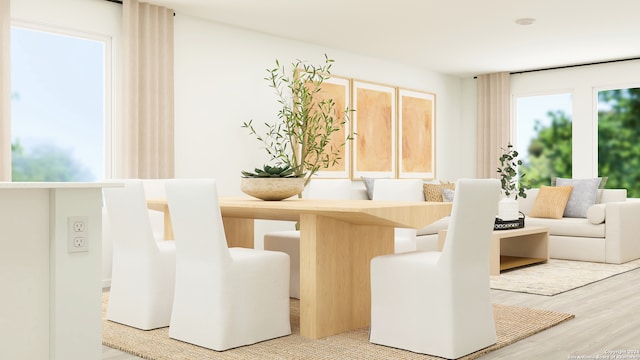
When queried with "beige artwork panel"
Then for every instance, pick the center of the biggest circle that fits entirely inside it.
(417, 130)
(374, 125)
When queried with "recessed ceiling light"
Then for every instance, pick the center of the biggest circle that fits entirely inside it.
(525, 21)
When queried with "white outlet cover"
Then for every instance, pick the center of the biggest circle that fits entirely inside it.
(77, 234)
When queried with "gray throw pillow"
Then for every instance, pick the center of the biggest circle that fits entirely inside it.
(447, 195)
(582, 197)
(603, 181)
(368, 184)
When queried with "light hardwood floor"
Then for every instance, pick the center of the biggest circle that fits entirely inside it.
(607, 318)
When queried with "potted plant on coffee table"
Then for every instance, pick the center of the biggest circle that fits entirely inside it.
(299, 143)
(511, 183)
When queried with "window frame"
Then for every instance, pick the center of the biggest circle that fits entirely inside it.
(514, 113)
(108, 81)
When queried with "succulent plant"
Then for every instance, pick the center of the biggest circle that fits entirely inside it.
(268, 171)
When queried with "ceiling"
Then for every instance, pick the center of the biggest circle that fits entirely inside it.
(457, 37)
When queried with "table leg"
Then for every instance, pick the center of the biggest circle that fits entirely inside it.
(239, 232)
(335, 291)
(494, 255)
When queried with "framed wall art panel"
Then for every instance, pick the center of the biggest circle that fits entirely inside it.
(374, 128)
(416, 134)
(339, 90)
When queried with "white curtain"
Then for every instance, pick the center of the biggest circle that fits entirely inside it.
(5, 91)
(494, 125)
(148, 91)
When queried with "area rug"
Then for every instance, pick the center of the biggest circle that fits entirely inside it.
(557, 276)
(512, 324)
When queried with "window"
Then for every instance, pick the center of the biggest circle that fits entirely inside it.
(58, 106)
(618, 135)
(544, 131)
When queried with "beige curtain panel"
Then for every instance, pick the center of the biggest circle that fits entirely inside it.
(494, 125)
(5, 91)
(148, 91)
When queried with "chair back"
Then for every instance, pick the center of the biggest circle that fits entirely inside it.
(399, 190)
(337, 189)
(154, 189)
(197, 223)
(128, 217)
(466, 248)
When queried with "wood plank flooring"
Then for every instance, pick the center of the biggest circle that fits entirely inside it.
(607, 319)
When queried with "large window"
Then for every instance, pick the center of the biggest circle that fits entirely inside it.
(543, 125)
(618, 138)
(58, 106)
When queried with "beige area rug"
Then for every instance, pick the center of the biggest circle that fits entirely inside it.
(512, 324)
(557, 276)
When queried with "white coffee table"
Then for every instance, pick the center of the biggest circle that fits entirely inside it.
(514, 248)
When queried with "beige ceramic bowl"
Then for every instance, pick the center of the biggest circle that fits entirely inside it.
(272, 188)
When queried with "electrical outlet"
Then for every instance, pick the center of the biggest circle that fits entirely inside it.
(77, 234)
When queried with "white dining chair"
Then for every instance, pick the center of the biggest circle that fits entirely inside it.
(400, 190)
(154, 189)
(288, 241)
(224, 297)
(438, 303)
(143, 268)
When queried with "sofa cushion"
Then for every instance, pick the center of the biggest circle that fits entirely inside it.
(603, 181)
(369, 183)
(447, 195)
(596, 214)
(577, 227)
(582, 197)
(551, 202)
(433, 192)
(611, 195)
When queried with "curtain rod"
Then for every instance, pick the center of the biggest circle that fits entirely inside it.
(569, 66)
(120, 2)
(576, 65)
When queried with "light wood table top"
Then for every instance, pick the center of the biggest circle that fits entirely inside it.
(338, 239)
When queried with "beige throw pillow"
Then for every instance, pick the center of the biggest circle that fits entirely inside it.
(551, 201)
(433, 192)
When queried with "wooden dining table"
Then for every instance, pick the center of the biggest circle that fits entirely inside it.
(338, 239)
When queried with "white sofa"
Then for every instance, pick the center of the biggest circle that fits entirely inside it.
(609, 234)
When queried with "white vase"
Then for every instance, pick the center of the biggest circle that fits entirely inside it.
(508, 209)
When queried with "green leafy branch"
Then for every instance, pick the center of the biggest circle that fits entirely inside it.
(301, 139)
(507, 172)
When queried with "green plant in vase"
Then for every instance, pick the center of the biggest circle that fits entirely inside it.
(511, 184)
(301, 140)
(508, 172)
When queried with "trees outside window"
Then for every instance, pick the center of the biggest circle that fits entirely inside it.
(544, 131)
(618, 138)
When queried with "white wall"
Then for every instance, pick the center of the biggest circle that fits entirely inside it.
(219, 84)
(583, 82)
(219, 79)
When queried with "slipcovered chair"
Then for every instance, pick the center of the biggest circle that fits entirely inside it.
(288, 241)
(143, 270)
(400, 190)
(224, 297)
(154, 189)
(438, 303)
